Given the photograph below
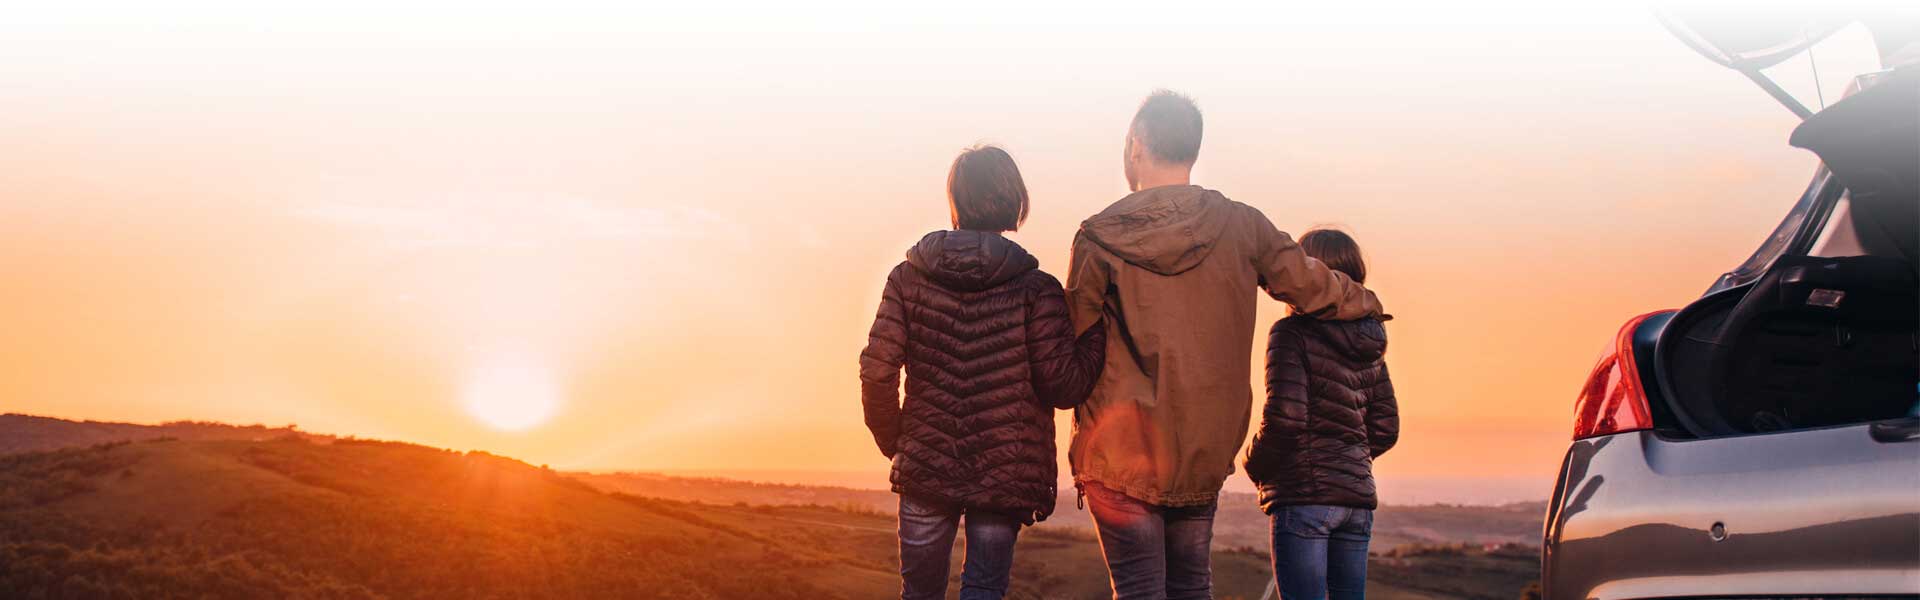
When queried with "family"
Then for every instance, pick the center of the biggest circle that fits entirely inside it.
(1147, 342)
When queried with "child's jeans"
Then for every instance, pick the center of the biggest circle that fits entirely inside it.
(1320, 552)
(926, 546)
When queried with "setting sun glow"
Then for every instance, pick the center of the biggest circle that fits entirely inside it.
(622, 237)
(512, 396)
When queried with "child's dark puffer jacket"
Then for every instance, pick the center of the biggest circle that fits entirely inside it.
(1330, 411)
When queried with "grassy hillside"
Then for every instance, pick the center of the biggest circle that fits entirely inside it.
(27, 433)
(289, 518)
(1238, 524)
(301, 517)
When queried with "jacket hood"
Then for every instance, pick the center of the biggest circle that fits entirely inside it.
(970, 260)
(1363, 340)
(1166, 230)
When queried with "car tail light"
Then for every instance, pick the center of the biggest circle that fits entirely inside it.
(1614, 399)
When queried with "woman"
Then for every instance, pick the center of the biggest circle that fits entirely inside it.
(1330, 411)
(989, 352)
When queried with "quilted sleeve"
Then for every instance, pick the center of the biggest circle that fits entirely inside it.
(880, 365)
(1383, 416)
(1284, 419)
(1065, 367)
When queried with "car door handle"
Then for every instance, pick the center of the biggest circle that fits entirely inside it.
(1895, 430)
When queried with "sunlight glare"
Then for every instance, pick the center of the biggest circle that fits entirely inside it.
(512, 396)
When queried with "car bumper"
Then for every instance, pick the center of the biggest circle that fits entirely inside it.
(1817, 512)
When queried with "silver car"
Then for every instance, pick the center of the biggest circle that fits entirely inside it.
(1764, 441)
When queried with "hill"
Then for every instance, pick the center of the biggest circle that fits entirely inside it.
(304, 517)
(355, 519)
(1238, 524)
(27, 433)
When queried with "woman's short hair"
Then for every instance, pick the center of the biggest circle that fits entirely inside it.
(1337, 250)
(985, 191)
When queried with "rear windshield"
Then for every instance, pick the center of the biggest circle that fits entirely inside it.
(1818, 193)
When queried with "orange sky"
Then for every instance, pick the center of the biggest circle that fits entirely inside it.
(674, 227)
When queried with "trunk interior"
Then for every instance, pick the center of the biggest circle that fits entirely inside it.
(1826, 334)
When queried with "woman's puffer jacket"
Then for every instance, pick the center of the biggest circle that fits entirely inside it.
(989, 352)
(1330, 411)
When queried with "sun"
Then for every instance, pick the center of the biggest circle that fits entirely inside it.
(512, 396)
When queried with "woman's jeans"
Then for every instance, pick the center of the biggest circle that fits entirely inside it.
(1153, 552)
(1320, 552)
(926, 546)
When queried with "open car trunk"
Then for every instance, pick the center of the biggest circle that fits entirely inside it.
(1814, 340)
(1752, 38)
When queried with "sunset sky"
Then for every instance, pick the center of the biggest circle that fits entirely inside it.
(620, 238)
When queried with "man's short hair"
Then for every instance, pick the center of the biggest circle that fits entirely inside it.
(985, 191)
(1169, 124)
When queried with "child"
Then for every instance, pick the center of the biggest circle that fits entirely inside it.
(989, 352)
(1330, 411)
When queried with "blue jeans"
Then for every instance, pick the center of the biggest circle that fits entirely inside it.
(926, 546)
(1320, 552)
(1153, 552)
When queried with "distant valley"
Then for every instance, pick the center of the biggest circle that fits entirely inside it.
(1239, 523)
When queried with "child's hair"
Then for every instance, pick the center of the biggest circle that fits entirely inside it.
(1337, 250)
(985, 191)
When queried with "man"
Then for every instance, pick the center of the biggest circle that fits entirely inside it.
(1178, 265)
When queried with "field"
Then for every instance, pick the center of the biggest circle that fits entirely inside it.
(1238, 524)
(315, 517)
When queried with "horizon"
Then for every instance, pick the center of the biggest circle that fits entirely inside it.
(1416, 491)
(566, 242)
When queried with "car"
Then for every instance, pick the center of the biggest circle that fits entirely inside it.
(1763, 441)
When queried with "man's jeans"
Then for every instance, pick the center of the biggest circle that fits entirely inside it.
(926, 546)
(1320, 552)
(1153, 552)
